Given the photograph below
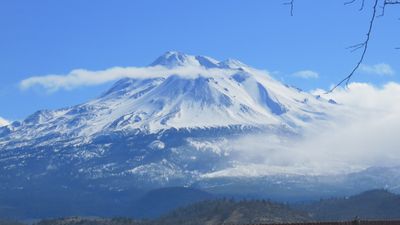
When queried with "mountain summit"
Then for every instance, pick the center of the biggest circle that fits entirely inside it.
(229, 93)
(173, 59)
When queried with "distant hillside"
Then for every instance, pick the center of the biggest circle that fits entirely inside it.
(370, 205)
(210, 212)
(160, 201)
(84, 202)
(7, 222)
(233, 212)
(374, 204)
(85, 221)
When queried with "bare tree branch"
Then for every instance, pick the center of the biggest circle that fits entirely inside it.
(363, 45)
(386, 3)
(349, 2)
(362, 5)
(291, 4)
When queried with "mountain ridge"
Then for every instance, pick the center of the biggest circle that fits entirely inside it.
(371, 204)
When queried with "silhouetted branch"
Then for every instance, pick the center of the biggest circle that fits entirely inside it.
(291, 4)
(349, 2)
(363, 45)
(362, 5)
(386, 3)
(352, 1)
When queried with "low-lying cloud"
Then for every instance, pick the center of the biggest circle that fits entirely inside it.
(364, 133)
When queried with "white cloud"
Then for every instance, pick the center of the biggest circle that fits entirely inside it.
(82, 77)
(381, 69)
(306, 74)
(366, 134)
(363, 133)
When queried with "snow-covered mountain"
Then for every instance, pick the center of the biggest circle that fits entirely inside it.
(175, 129)
(230, 94)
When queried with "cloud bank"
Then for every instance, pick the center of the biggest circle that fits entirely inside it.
(82, 77)
(364, 133)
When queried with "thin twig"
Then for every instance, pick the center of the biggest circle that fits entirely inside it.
(291, 4)
(349, 2)
(388, 2)
(363, 45)
(362, 5)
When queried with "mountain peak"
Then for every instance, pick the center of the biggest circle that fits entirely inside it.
(172, 59)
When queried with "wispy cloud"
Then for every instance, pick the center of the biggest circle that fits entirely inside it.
(82, 77)
(381, 69)
(306, 74)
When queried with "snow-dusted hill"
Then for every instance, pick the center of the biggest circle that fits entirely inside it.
(176, 129)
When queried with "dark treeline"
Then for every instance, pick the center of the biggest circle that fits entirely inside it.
(370, 205)
(8, 222)
(221, 211)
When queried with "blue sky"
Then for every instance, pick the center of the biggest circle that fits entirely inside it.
(54, 37)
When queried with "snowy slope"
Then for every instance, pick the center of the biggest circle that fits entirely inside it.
(230, 94)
